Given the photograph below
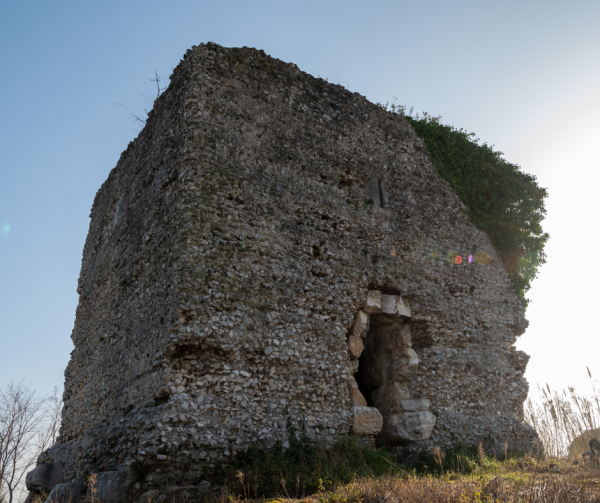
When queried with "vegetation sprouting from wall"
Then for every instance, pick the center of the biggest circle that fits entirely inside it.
(501, 200)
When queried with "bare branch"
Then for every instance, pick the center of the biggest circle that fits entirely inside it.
(149, 98)
(28, 426)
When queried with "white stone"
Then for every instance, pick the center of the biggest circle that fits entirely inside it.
(388, 304)
(402, 307)
(419, 424)
(373, 302)
(361, 324)
(408, 426)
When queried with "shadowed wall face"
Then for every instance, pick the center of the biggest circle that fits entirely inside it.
(230, 254)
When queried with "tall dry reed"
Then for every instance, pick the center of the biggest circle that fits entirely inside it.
(565, 420)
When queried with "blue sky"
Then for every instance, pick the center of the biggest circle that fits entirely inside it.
(523, 75)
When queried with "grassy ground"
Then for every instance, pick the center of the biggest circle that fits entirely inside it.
(355, 472)
(461, 475)
(511, 481)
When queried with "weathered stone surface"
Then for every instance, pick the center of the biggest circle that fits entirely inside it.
(356, 396)
(111, 487)
(203, 486)
(372, 189)
(388, 304)
(419, 425)
(408, 426)
(44, 477)
(383, 194)
(415, 404)
(149, 496)
(361, 324)
(355, 346)
(367, 420)
(405, 365)
(389, 396)
(373, 302)
(402, 307)
(72, 492)
(228, 255)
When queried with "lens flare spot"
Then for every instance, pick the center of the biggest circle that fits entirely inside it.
(458, 259)
(450, 256)
(393, 253)
(483, 258)
(470, 259)
(5, 229)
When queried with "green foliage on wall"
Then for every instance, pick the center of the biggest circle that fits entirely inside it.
(501, 200)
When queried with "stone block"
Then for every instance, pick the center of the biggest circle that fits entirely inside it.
(355, 346)
(367, 420)
(402, 307)
(44, 477)
(356, 397)
(416, 404)
(389, 397)
(419, 424)
(406, 365)
(361, 324)
(408, 426)
(66, 493)
(111, 487)
(372, 189)
(394, 429)
(373, 302)
(388, 304)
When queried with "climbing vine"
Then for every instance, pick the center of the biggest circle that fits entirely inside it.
(501, 200)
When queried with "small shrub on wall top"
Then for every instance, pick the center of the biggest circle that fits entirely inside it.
(501, 200)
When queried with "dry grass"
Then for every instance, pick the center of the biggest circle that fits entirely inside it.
(524, 480)
(565, 421)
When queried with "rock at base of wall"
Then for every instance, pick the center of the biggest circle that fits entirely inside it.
(111, 487)
(150, 496)
(66, 493)
(44, 477)
(367, 420)
(407, 426)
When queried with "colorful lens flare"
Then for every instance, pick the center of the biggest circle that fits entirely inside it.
(5, 229)
(453, 258)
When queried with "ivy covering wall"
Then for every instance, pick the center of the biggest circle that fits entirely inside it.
(503, 201)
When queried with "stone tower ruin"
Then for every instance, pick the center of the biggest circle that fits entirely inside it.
(274, 248)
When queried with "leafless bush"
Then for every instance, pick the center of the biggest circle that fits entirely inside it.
(28, 425)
